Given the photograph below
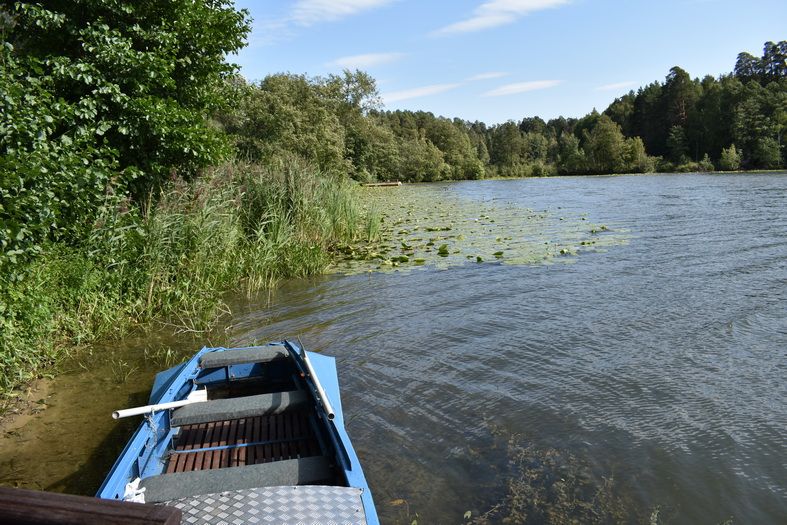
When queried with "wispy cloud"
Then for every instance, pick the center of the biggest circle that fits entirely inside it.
(366, 60)
(396, 96)
(487, 76)
(306, 13)
(497, 13)
(521, 87)
(310, 12)
(617, 86)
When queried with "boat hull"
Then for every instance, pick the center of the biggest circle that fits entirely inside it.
(274, 420)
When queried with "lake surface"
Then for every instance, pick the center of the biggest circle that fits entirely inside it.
(642, 382)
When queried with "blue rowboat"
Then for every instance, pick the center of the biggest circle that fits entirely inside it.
(245, 435)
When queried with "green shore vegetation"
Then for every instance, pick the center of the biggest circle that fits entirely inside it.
(141, 178)
(122, 199)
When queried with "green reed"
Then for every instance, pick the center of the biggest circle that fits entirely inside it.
(239, 227)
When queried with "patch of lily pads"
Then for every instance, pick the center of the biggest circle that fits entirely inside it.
(428, 226)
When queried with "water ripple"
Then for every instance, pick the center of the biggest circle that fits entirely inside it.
(660, 363)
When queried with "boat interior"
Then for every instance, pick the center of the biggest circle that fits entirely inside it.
(260, 427)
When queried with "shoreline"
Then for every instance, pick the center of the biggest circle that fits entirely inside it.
(24, 404)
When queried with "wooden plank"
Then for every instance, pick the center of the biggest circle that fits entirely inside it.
(207, 456)
(32, 507)
(296, 434)
(283, 433)
(289, 433)
(225, 428)
(274, 428)
(259, 456)
(199, 460)
(240, 454)
(381, 184)
(196, 443)
(265, 434)
(226, 454)
(248, 454)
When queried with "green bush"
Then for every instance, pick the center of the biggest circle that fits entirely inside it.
(103, 98)
(730, 159)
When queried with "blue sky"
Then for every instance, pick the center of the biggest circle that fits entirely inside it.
(495, 60)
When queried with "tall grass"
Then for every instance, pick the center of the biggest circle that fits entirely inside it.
(238, 227)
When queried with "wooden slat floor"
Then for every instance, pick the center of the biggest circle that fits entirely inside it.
(264, 438)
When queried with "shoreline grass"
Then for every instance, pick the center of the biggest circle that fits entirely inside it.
(239, 227)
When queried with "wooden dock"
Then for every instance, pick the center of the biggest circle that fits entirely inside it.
(380, 184)
(33, 507)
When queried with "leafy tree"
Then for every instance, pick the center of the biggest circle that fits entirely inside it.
(584, 125)
(454, 144)
(421, 161)
(368, 146)
(354, 91)
(604, 147)
(748, 67)
(767, 153)
(536, 147)
(621, 112)
(677, 148)
(571, 158)
(754, 129)
(636, 158)
(104, 98)
(730, 159)
(507, 145)
(680, 95)
(774, 61)
(289, 113)
(648, 120)
(533, 125)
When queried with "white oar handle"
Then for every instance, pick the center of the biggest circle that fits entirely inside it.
(326, 404)
(198, 396)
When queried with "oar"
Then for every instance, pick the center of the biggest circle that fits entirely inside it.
(197, 396)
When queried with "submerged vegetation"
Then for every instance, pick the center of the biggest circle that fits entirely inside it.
(553, 486)
(426, 227)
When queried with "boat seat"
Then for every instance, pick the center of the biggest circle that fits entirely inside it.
(302, 471)
(238, 407)
(257, 354)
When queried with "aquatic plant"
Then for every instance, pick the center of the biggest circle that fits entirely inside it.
(498, 231)
(547, 485)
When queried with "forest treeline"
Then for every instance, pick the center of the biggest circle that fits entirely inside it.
(736, 121)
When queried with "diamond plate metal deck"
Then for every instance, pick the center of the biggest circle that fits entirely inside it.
(297, 505)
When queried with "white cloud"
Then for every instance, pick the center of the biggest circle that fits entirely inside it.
(366, 60)
(617, 86)
(521, 87)
(497, 13)
(487, 76)
(310, 12)
(396, 96)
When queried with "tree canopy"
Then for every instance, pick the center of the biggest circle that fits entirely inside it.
(104, 97)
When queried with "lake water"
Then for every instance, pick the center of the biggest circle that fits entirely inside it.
(644, 381)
